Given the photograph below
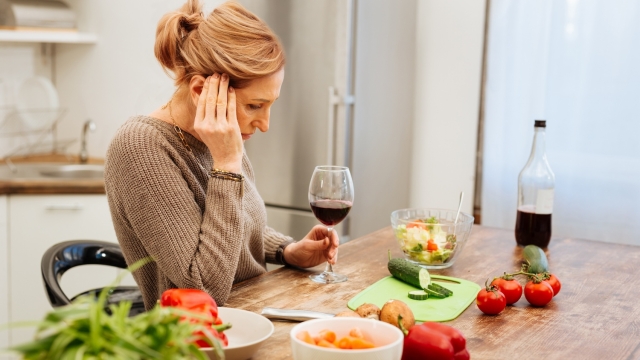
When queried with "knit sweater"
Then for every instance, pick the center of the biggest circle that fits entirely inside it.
(203, 232)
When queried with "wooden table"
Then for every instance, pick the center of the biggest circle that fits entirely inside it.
(595, 316)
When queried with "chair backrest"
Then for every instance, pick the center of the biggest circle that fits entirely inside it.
(66, 255)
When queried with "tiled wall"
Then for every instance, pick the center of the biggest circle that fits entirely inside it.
(18, 62)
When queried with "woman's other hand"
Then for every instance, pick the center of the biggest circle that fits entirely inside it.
(316, 248)
(217, 125)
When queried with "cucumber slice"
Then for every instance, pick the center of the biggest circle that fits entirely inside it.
(441, 289)
(418, 295)
(409, 272)
(435, 294)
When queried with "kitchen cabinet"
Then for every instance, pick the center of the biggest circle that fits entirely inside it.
(35, 223)
(4, 273)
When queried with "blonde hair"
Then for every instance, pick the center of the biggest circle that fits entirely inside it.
(230, 40)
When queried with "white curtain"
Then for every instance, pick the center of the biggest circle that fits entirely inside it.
(576, 64)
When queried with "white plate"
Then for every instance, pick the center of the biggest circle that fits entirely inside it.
(37, 102)
(248, 331)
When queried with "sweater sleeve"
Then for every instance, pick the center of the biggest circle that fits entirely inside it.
(194, 249)
(272, 240)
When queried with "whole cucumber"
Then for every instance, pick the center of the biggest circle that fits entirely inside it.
(536, 259)
(409, 272)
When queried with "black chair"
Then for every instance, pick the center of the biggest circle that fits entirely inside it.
(66, 255)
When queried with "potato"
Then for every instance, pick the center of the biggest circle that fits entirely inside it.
(347, 313)
(369, 311)
(392, 309)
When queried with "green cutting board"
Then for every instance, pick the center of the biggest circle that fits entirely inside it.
(432, 309)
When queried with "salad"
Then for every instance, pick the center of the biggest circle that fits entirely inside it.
(424, 241)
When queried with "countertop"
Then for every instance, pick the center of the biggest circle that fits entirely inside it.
(595, 315)
(51, 186)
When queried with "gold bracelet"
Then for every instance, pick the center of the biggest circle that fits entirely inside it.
(226, 175)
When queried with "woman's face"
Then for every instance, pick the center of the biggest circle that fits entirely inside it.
(253, 103)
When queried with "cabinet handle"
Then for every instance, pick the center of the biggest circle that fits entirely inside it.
(68, 207)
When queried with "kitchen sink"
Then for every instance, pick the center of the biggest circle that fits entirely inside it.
(41, 171)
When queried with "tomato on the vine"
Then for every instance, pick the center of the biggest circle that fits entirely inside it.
(490, 300)
(511, 289)
(538, 294)
(555, 284)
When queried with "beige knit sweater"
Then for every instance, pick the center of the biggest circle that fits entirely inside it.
(202, 232)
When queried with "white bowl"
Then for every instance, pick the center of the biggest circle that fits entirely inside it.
(388, 340)
(248, 331)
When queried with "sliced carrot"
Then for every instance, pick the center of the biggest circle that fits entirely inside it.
(356, 333)
(359, 343)
(327, 335)
(344, 343)
(304, 336)
(325, 343)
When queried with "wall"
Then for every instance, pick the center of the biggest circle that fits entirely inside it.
(448, 74)
(119, 76)
(18, 62)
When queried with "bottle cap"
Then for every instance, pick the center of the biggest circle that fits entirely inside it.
(540, 123)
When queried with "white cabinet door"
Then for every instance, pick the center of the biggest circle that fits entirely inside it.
(4, 273)
(36, 222)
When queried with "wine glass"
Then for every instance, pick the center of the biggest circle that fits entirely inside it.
(331, 198)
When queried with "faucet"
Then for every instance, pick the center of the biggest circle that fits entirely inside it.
(84, 154)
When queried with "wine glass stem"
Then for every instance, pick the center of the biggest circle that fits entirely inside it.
(328, 268)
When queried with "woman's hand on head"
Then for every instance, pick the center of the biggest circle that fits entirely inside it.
(316, 248)
(217, 125)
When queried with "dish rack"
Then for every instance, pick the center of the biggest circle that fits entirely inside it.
(31, 139)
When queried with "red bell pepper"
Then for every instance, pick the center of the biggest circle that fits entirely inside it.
(199, 302)
(433, 341)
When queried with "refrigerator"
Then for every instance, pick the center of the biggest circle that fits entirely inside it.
(347, 99)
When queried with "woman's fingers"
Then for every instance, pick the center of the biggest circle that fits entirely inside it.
(202, 100)
(212, 97)
(221, 105)
(231, 107)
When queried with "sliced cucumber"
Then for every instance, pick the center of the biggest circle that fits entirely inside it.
(418, 295)
(409, 272)
(441, 289)
(435, 294)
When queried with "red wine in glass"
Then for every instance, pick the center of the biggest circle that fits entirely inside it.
(330, 212)
(331, 198)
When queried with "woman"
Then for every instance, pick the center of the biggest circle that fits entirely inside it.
(180, 187)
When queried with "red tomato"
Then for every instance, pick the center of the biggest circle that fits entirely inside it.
(511, 289)
(539, 294)
(491, 301)
(417, 223)
(431, 245)
(555, 284)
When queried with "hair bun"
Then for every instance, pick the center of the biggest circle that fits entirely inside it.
(190, 22)
(230, 40)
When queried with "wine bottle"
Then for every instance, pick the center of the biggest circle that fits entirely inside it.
(536, 184)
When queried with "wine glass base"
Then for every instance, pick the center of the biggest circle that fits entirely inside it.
(328, 278)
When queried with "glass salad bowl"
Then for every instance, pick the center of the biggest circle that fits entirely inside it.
(431, 237)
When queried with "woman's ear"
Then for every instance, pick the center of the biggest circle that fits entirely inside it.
(195, 88)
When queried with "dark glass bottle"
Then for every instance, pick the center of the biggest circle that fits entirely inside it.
(536, 184)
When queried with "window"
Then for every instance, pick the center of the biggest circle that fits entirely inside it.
(577, 65)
